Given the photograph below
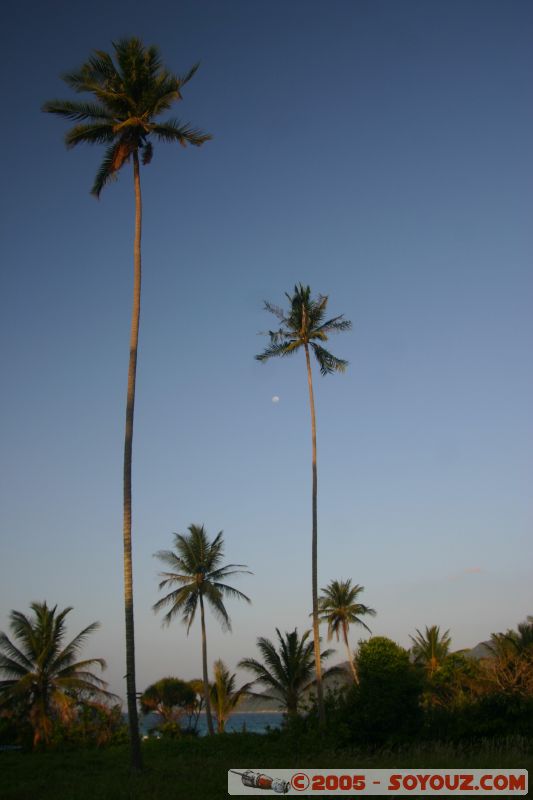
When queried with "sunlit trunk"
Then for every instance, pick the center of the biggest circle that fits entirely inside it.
(131, 691)
(207, 699)
(350, 654)
(314, 550)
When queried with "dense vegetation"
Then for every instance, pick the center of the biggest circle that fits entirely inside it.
(198, 767)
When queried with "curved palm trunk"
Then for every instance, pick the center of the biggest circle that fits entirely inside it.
(350, 655)
(207, 699)
(314, 550)
(136, 757)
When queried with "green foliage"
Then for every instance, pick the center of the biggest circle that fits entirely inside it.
(224, 695)
(430, 648)
(130, 89)
(197, 767)
(43, 682)
(304, 325)
(385, 706)
(196, 570)
(453, 684)
(169, 698)
(95, 725)
(491, 716)
(286, 671)
(339, 607)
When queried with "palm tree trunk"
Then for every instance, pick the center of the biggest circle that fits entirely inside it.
(350, 655)
(207, 699)
(135, 744)
(314, 550)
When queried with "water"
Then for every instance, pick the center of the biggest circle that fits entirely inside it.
(251, 722)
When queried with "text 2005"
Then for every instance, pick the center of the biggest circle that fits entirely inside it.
(334, 782)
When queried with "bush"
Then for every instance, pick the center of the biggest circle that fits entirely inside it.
(384, 708)
(496, 715)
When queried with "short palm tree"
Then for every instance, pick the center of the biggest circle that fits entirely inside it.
(521, 639)
(130, 90)
(339, 607)
(224, 696)
(198, 574)
(41, 677)
(431, 648)
(305, 325)
(286, 671)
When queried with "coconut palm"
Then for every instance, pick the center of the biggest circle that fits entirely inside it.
(338, 606)
(305, 325)
(286, 671)
(510, 665)
(224, 696)
(41, 678)
(520, 641)
(197, 572)
(430, 648)
(129, 92)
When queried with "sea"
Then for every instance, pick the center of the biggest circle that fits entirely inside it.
(248, 721)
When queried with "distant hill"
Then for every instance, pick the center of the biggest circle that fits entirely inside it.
(481, 650)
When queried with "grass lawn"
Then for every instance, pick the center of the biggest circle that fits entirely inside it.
(197, 768)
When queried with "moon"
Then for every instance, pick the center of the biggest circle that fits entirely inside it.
(275, 399)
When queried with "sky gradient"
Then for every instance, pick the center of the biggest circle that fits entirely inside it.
(380, 152)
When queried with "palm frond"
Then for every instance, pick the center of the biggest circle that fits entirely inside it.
(213, 595)
(327, 362)
(335, 325)
(107, 171)
(231, 592)
(280, 349)
(14, 652)
(174, 131)
(147, 153)
(276, 310)
(183, 79)
(90, 134)
(228, 570)
(78, 111)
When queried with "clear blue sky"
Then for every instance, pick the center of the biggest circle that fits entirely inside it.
(380, 152)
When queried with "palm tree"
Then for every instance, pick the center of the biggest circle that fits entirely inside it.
(510, 665)
(430, 648)
(286, 671)
(42, 678)
(197, 572)
(518, 642)
(338, 607)
(130, 91)
(224, 696)
(197, 685)
(304, 325)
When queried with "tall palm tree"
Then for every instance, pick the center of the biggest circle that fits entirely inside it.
(41, 675)
(305, 325)
(224, 696)
(129, 91)
(339, 607)
(197, 572)
(286, 671)
(430, 648)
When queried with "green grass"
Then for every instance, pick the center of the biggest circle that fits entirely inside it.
(197, 768)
